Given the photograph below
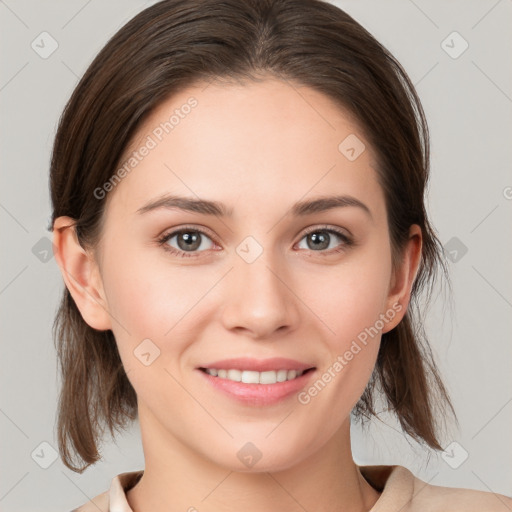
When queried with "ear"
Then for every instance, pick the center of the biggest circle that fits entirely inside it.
(81, 274)
(403, 277)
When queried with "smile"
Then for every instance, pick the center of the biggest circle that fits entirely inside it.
(254, 377)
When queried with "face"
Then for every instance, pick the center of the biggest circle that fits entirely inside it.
(268, 278)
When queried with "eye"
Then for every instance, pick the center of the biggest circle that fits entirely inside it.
(324, 240)
(187, 240)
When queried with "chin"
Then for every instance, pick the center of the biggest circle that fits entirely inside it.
(258, 457)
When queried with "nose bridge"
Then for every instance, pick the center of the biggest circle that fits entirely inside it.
(258, 298)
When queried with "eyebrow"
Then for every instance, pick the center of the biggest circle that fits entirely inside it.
(216, 208)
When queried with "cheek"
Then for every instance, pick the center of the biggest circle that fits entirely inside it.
(149, 299)
(350, 302)
(350, 297)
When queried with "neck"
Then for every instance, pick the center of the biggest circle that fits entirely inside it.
(179, 478)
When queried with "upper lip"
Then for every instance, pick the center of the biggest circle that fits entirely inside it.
(258, 365)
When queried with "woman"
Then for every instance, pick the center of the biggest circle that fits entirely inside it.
(238, 213)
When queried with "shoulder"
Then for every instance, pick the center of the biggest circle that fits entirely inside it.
(115, 497)
(436, 498)
(98, 504)
(401, 490)
(433, 498)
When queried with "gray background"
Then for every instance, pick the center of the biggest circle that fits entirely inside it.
(467, 99)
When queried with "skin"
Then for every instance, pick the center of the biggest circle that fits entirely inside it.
(258, 148)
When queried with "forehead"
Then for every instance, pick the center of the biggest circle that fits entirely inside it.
(272, 141)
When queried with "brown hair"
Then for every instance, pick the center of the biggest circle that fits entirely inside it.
(178, 43)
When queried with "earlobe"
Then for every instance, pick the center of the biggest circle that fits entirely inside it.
(81, 274)
(404, 276)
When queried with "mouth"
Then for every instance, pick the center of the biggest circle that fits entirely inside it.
(257, 388)
(256, 377)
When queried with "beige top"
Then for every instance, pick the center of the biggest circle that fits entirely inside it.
(400, 491)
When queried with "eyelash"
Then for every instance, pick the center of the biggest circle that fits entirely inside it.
(347, 241)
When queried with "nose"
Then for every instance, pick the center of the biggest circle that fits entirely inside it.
(259, 298)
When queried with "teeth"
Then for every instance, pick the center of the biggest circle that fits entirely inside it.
(251, 377)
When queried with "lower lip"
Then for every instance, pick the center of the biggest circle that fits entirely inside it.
(258, 394)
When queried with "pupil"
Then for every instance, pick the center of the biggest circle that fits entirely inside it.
(320, 240)
(191, 240)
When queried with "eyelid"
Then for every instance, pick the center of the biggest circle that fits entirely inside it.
(327, 227)
(176, 230)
